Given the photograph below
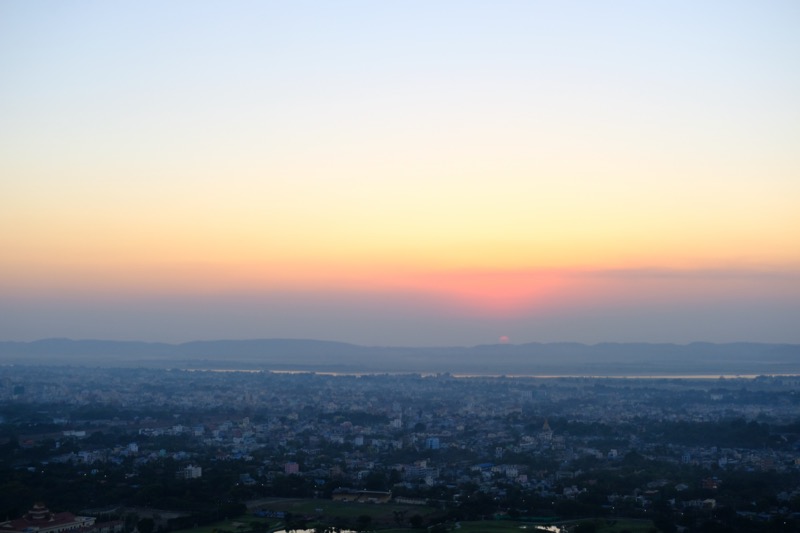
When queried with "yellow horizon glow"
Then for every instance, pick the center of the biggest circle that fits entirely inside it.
(519, 159)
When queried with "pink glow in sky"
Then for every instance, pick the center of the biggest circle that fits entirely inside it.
(415, 173)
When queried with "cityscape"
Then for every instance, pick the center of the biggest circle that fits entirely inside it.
(293, 449)
(418, 266)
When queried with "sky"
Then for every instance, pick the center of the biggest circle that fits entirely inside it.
(416, 173)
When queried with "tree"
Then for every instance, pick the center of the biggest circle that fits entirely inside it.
(376, 480)
(400, 516)
(146, 525)
(257, 526)
(131, 521)
(364, 522)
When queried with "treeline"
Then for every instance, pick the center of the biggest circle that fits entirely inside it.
(736, 433)
(730, 433)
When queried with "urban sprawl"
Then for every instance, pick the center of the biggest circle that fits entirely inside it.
(147, 450)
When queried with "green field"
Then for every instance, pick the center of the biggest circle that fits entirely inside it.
(602, 526)
(382, 515)
(233, 525)
(345, 509)
(383, 519)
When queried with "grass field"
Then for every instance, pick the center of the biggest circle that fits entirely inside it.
(233, 525)
(343, 509)
(508, 526)
(383, 518)
(382, 515)
(499, 526)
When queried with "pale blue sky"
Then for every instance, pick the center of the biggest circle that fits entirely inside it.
(277, 160)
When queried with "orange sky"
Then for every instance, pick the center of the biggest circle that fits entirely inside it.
(495, 162)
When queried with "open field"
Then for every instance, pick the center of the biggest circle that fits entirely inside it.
(602, 525)
(383, 518)
(234, 525)
(329, 508)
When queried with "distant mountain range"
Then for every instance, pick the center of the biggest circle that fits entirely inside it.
(607, 359)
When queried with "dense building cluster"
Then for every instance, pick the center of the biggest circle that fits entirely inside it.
(678, 449)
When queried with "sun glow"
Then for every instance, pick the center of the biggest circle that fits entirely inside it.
(515, 164)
